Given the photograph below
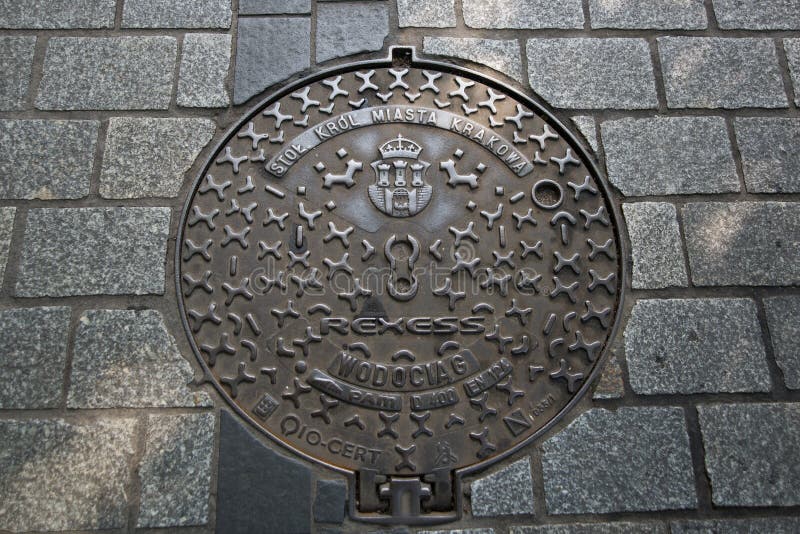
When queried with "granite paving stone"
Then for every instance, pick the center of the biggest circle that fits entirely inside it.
(46, 159)
(611, 384)
(329, 504)
(250, 474)
(127, 359)
(108, 73)
(523, 14)
(16, 60)
(274, 7)
(770, 149)
(269, 50)
(344, 29)
(34, 342)
(669, 156)
(74, 474)
(792, 47)
(500, 55)
(594, 465)
(783, 319)
(587, 127)
(594, 528)
(744, 243)
(426, 13)
(656, 246)
(147, 157)
(588, 73)
(689, 346)
(91, 251)
(205, 62)
(60, 475)
(175, 471)
(761, 15)
(171, 14)
(771, 525)
(648, 14)
(7, 215)
(712, 72)
(752, 453)
(508, 491)
(57, 14)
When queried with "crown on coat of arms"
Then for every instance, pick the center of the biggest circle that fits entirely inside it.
(400, 148)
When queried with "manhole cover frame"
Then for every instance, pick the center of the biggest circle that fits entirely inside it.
(405, 56)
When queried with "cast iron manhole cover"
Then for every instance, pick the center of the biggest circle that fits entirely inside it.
(403, 270)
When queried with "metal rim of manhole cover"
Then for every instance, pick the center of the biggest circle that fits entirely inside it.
(403, 270)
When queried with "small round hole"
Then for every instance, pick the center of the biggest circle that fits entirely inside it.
(547, 194)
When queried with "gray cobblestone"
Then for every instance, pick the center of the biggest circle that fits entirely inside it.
(710, 72)
(752, 453)
(648, 14)
(176, 470)
(611, 384)
(344, 29)
(16, 60)
(171, 14)
(57, 14)
(57, 475)
(770, 149)
(205, 62)
(592, 73)
(108, 73)
(594, 528)
(46, 159)
(502, 56)
(745, 243)
(594, 466)
(89, 251)
(269, 50)
(75, 474)
(127, 359)
(792, 47)
(426, 13)
(523, 14)
(761, 15)
(147, 157)
(771, 525)
(459, 531)
(677, 346)
(329, 504)
(656, 246)
(651, 156)
(273, 7)
(587, 126)
(250, 474)
(34, 353)
(7, 215)
(508, 491)
(783, 318)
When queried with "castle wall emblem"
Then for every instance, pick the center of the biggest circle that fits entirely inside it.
(400, 189)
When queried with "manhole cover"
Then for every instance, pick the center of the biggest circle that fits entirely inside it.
(403, 270)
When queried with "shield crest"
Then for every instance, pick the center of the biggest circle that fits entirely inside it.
(400, 189)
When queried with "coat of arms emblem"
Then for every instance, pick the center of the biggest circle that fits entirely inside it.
(400, 189)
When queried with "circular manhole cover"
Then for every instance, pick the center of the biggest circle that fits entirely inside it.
(400, 270)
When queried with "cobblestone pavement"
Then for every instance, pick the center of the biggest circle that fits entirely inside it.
(107, 109)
